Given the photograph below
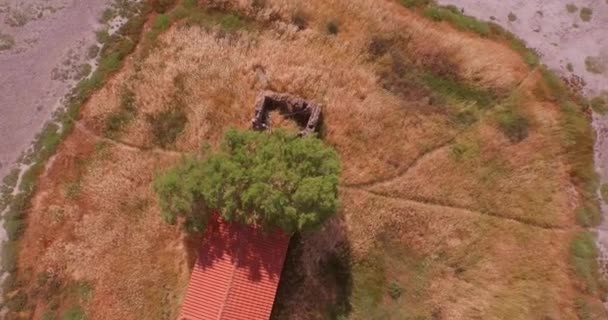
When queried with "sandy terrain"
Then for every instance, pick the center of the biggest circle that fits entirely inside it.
(42, 42)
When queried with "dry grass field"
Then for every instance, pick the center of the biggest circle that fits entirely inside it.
(457, 200)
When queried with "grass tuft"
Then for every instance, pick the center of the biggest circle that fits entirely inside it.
(583, 255)
(459, 20)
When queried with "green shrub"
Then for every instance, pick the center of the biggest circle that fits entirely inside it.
(274, 180)
(162, 6)
(395, 290)
(588, 216)
(14, 228)
(583, 255)
(595, 65)
(512, 17)
(604, 192)
(300, 19)
(582, 309)
(167, 125)
(513, 124)
(116, 121)
(74, 313)
(17, 302)
(599, 105)
(416, 3)
(332, 27)
(9, 256)
(586, 14)
(231, 22)
(460, 21)
(161, 22)
(571, 7)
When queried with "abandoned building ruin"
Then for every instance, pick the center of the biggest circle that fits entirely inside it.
(306, 113)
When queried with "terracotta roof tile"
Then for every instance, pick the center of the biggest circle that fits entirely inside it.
(237, 273)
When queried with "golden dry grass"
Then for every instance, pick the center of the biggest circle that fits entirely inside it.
(481, 234)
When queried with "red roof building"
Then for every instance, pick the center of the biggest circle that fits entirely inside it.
(237, 273)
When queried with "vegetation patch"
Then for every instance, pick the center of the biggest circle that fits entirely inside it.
(583, 255)
(604, 192)
(595, 65)
(6, 42)
(127, 110)
(571, 7)
(513, 124)
(167, 125)
(275, 180)
(586, 14)
(599, 104)
(459, 20)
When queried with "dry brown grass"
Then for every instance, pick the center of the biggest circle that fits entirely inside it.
(478, 225)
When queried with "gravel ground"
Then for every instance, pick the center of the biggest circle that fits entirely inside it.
(43, 45)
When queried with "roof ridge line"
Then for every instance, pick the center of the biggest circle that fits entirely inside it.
(235, 264)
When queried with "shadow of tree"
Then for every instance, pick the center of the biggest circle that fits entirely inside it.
(317, 277)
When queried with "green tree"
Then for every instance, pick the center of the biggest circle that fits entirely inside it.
(273, 180)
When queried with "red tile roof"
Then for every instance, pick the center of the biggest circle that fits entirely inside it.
(236, 274)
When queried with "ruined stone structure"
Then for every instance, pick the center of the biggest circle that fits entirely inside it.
(307, 114)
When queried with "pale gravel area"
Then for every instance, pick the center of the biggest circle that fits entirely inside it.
(50, 38)
(561, 37)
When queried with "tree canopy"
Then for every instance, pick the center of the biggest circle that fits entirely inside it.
(269, 179)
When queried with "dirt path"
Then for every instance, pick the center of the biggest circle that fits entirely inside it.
(43, 46)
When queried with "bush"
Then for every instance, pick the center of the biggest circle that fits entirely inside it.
(513, 124)
(460, 21)
(586, 14)
(599, 105)
(583, 254)
(604, 192)
(415, 3)
(332, 27)
(167, 125)
(74, 313)
(394, 290)
(300, 19)
(162, 6)
(161, 22)
(9, 256)
(588, 216)
(274, 180)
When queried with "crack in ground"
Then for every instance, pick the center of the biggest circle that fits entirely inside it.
(439, 205)
(405, 170)
(127, 145)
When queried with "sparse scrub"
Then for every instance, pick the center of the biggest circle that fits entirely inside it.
(167, 125)
(460, 91)
(300, 19)
(604, 192)
(569, 67)
(512, 17)
(583, 255)
(599, 104)
(571, 7)
(416, 3)
(332, 27)
(231, 22)
(459, 20)
(74, 313)
(588, 216)
(6, 42)
(161, 22)
(513, 124)
(586, 14)
(107, 15)
(127, 111)
(395, 290)
(595, 65)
